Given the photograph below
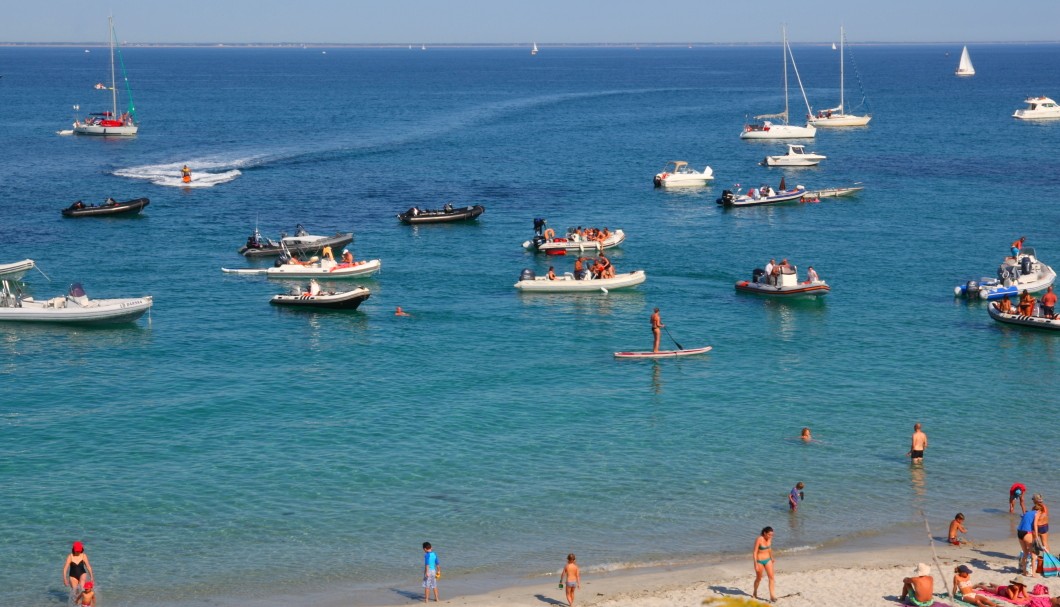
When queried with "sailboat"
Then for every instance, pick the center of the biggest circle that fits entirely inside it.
(964, 68)
(765, 129)
(533, 51)
(110, 122)
(836, 116)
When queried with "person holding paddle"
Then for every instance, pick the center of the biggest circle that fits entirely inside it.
(656, 329)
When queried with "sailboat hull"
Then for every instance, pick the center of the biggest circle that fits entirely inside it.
(840, 120)
(779, 131)
(117, 131)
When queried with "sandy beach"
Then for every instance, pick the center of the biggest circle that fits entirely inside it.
(855, 573)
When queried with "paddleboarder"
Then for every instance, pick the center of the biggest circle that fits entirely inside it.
(656, 329)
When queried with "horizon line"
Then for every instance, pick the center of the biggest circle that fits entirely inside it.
(494, 44)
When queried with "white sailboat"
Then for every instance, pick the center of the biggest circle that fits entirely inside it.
(533, 51)
(837, 116)
(964, 68)
(765, 128)
(110, 122)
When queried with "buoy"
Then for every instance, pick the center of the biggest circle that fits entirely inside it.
(603, 290)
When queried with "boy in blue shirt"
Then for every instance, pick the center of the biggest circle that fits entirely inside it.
(432, 570)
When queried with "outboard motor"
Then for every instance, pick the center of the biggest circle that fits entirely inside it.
(282, 259)
(757, 274)
(412, 212)
(1025, 265)
(539, 225)
(726, 198)
(971, 290)
(527, 274)
(657, 181)
(300, 231)
(538, 241)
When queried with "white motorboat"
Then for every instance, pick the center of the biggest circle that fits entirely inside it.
(302, 242)
(1035, 320)
(837, 116)
(1038, 108)
(315, 297)
(784, 284)
(567, 283)
(964, 68)
(323, 268)
(110, 122)
(573, 242)
(766, 128)
(759, 197)
(1025, 272)
(797, 156)
(16, 270)
(678, 173)
(73, 308)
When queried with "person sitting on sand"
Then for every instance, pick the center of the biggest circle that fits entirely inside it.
(964, 590)
(1015, 590)
(918, 589)
(956, 526)
(1005, 307)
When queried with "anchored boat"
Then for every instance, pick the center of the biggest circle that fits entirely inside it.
(110, 122)
(446, 214)
(315, 297)
(109, 208)
(568, 283)
(73, 308)
(1025, 272)
(783, 283)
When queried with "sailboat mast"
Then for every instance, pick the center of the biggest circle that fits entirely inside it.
(784, 36)
(842, 36)
(113, 78)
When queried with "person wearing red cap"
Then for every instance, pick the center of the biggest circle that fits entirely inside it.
(87, 597)
(76, 568)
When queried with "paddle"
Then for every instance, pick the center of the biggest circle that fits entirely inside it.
(679, 346)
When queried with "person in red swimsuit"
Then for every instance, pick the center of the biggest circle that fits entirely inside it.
(1015, 492)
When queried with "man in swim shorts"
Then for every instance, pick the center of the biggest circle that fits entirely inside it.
(918, 445)
(918, 589)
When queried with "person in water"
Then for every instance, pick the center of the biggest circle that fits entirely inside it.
(917, 445)
(763, 560)
(796, 496)
(656, 330)
(400, 312)
(918, 589)
(76, 568)
(806, 436)
(1016, 492)
(87, 596)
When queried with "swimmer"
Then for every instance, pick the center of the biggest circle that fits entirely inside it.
(400, 312)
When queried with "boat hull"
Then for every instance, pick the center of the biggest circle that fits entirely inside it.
(129, 207)
(808, 160)
(576, 246)
(835, 192)
(840, 121)
(813, 289)
(63, 311)
(16, 270)
(346, 300)
(105, 131)
(663, 353)
(463, 214)
(298, 245)
(779, 131)
(568, 284)
(318, 270)
(747, 201)
(1026, 321)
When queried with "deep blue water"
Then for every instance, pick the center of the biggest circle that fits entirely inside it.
(239, 448)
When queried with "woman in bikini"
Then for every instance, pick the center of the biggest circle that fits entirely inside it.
(763, 558)
(1041, 522)
(1015, 591)
(76, 568)
(964, 590)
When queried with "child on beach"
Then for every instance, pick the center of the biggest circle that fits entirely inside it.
(796, 496)
(432, 570)
(957, 526)
(87, 597)
(571, 578)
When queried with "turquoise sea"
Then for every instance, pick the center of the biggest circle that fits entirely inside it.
(222, 451)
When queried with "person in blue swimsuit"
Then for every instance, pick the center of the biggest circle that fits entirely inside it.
(1025, 535)
(763, 559)
(796, 496)
(432, 569)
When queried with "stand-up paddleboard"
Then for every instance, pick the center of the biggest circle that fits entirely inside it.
(664, 353)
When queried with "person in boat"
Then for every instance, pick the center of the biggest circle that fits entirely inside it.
(1017, 245)
(1049, 304)
(579, 268)
(598, 269)
(347, 257)
(768, 271)
(606, 269)
(753, 193)
(1027, 301)
(656, 330)
(185, 174)
(551, 273)
(1005, 307)
(448, 208)
(293, 260)
(811, 275)
(77, 205)
(110, 202)
(326, 252)
(918, 589)
(539, 225)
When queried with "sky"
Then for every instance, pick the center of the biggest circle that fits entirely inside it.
(524, 21)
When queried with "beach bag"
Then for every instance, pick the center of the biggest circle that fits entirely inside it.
(1050, 565)
(1040, 589)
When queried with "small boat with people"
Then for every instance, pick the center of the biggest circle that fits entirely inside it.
(576, 240)
(601, 277)
(313, 296)
(446, 214)
(73, 308)
(16, 270)
(302, 243)
(677, 173)
(764, 195)
(1016, 274)
(109, 208)
(782, 280)
(1038, 108)
(1004, 312)
(797, 156)
(289, 266)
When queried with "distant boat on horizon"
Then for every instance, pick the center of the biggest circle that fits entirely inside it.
(533, 51)
(964, 68)
(423, 47)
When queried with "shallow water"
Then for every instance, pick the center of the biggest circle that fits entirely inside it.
(237, 447)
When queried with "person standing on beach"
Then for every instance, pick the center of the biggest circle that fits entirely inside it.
(763, 559)
(1041, 523)
(918, 445)
(1025, 535)
(571, 578)
(432, 570)
(76, 568)
(1016, 491)
(796, 496)
(656, 329)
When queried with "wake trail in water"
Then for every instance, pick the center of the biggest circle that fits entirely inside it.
(211, 171)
